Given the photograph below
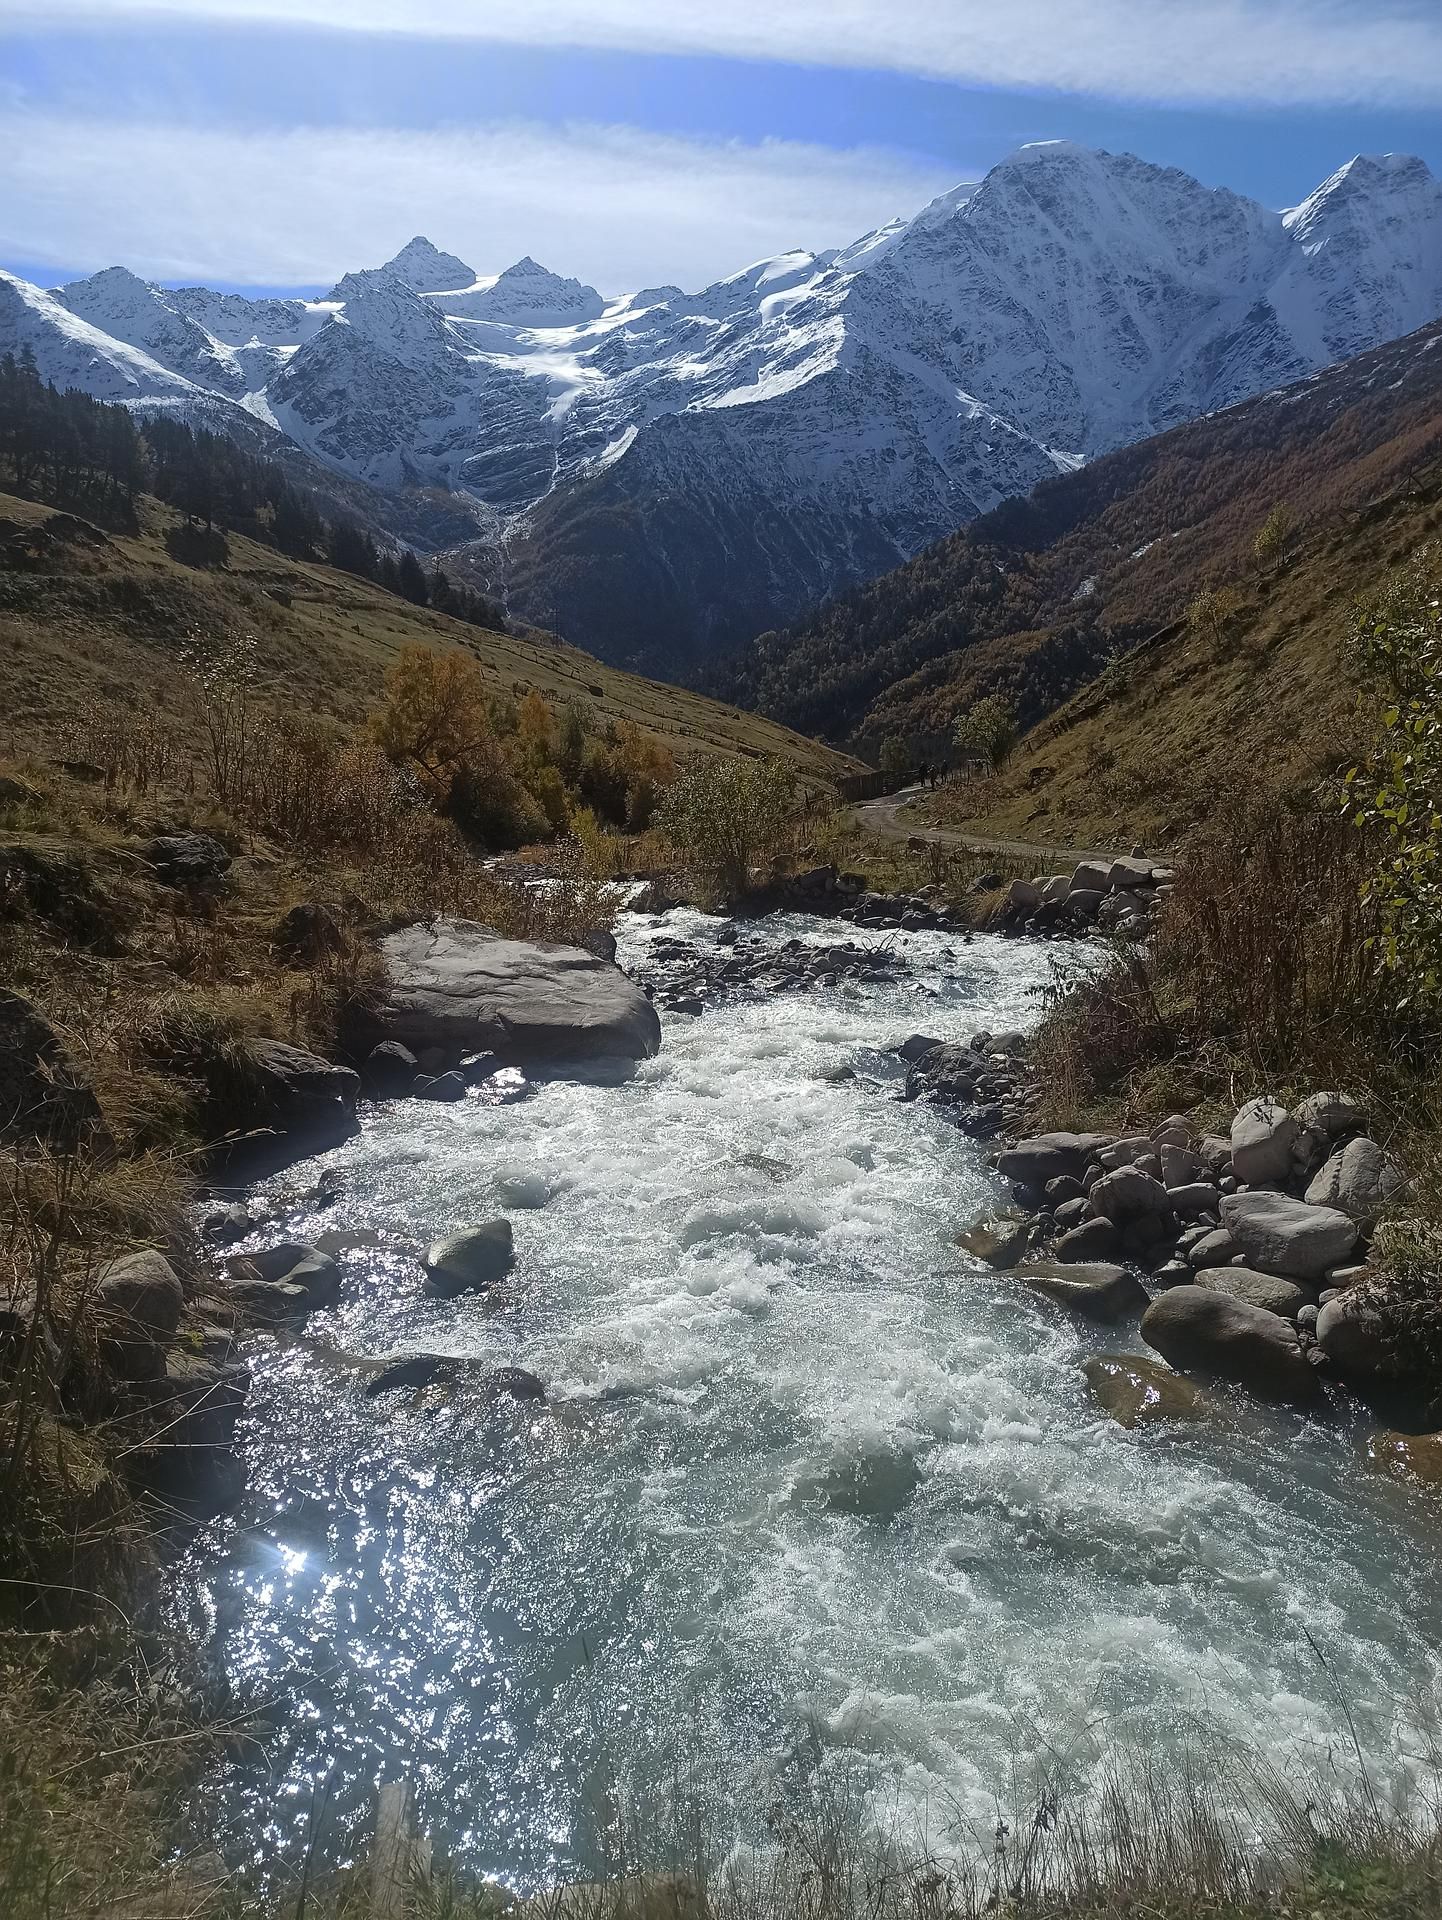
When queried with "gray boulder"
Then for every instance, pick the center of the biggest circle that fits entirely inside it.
(1180, 1166)
(1214, 1249)
(470, 1261)
(997, 1243)
(440, 1086)
(1049, 1156)
(1197, 1330)
(1261, 1289)
(1325, 1117)
(1354, 1338)
(1287, 1236)
(1129, 1194)
(1089, 1240)
(1191, 1202)
(299, 1085)
(1360, 1180)
(142, 1290)
(390, 1068)
(1098, 1291)
(1263, 1135)
(1091, 876)
(458, 985)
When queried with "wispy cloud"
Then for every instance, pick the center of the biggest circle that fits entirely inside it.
(615, 206)
(1290, 51)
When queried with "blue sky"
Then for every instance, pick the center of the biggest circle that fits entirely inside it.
(275, 143)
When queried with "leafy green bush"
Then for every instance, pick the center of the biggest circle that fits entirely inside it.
(722, 815)
(989, 728)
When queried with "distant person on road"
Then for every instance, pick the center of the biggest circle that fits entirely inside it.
(922, 773)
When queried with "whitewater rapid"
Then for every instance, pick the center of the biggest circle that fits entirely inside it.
(811, 1488)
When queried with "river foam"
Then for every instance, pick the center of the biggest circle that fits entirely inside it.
(808, 1478)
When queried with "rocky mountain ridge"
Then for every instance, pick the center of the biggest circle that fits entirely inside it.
(663, 474)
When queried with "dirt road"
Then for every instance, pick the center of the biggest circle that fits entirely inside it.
(884, 817)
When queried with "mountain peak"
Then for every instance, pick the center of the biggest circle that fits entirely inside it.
(425, 269)
(530, 295)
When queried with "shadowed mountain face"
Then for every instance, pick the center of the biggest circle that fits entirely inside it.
(662, 475)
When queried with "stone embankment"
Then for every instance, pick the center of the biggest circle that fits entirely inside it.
(1243, 1256)
(1120, 896)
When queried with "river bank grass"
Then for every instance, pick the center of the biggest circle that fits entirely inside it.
(1211, 1834)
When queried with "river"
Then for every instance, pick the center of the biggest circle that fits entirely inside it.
(810, 1488)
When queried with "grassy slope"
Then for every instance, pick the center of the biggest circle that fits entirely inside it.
(106, 620)
(1270, 703)
(1035, 598)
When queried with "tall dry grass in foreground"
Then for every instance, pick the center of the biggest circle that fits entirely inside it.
(1194, 1835)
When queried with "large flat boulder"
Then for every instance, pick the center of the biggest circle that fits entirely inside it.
(1288, 1237)
(1198, 1331)
(1049, 1156)
(1096, 1289)
(456, 985)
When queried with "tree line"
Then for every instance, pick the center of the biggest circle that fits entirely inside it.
(89, 456)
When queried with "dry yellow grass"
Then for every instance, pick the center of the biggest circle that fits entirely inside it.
(105, 623)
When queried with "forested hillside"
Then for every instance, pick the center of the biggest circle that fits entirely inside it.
(1035, 599)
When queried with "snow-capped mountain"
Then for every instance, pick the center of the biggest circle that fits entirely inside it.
(665, 472)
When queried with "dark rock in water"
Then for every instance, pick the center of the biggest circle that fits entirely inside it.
(43, 1098)
(284, 1281)
(1138, 1391)
(308, 933)
(458, 985)
(443, 1086)
(229, 1221)
(186, 1416)
(186, 859)
(470, 1261)
(516, 1382)
(916, 1048)
(390, 1069)
(504, 1088)
(873, 1483)
(417, 1371)
(328, 1189)
(477, 1067)
(997, 1243)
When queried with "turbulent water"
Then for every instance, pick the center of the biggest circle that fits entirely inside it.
(810, 1488)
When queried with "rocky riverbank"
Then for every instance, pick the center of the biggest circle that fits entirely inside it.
(1245, 1257)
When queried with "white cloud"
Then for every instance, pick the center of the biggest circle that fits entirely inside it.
(1284, 51)
(615, 206)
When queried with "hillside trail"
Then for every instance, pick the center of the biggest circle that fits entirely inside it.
(883, 817)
